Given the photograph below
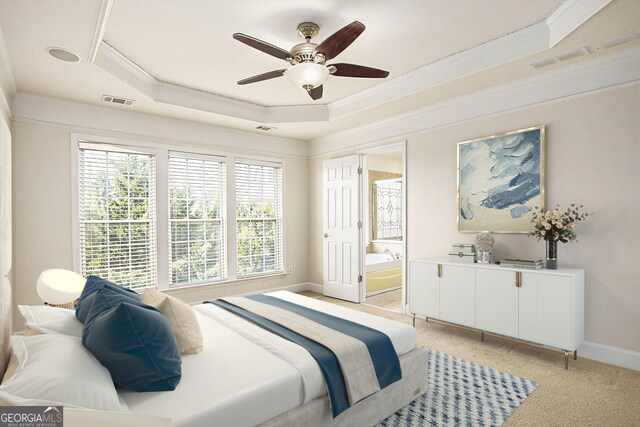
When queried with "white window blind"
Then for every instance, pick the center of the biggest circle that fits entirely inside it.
(196, 219)
(117, 216)
(259, 231)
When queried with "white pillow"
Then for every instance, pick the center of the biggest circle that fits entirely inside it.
(56, 369)
(51, 320)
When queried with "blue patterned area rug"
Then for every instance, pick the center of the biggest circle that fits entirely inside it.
(461, 393)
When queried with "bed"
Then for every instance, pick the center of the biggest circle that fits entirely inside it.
(246, 376)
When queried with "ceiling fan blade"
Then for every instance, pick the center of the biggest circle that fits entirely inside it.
(263, 46)
(264, 76)
(352, 70)
(316, 92)
(340, 40)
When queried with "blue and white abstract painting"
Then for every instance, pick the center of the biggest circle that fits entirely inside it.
(500, 181)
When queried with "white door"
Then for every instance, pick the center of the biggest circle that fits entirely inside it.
(458, 295)
(545, 309)
(497, 301)
(341, 235)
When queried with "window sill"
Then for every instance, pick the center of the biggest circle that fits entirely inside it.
(219, 284)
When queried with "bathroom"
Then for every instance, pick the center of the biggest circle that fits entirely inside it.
(383, 175)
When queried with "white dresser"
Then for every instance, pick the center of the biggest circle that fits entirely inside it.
(541, 306)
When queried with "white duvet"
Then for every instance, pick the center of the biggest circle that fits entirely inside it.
(246, 375)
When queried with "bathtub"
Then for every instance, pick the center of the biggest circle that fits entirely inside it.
(377, 262)
(383, 273)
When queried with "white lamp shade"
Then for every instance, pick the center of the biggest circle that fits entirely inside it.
(57, 286)
(308, 74)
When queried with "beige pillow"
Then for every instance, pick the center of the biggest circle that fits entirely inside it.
(183, 320)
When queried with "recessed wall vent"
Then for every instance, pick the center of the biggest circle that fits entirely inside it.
(265, 128)
(607, 44)
(117, 100)
(572, 54)
(543, 63)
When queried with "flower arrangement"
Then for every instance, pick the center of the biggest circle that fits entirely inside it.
(484, 241)
(555, 225)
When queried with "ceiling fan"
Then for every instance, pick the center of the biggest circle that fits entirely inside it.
(308, 69)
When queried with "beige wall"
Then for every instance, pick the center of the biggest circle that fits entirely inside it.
(593, 157)
(42, 215)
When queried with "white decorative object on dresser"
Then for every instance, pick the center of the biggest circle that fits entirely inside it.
(540, 306)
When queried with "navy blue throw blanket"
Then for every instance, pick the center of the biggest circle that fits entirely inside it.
(383, 355)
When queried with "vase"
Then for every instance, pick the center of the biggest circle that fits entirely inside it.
(552, 254)
(483, 257)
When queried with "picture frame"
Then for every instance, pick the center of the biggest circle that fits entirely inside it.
(500, 181)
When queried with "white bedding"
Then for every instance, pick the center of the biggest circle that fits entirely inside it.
(245, 375)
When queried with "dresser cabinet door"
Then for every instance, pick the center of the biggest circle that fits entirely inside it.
(424, 296)
(458, 295)
(545, 309)
(497, 301)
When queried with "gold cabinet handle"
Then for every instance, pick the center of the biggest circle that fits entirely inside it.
(518, 279)
(439, 270)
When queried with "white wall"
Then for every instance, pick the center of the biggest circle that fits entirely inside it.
(593, 158)
(42, 214)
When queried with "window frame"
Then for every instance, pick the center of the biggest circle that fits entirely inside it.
(161, 151)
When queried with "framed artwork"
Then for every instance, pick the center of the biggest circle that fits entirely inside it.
(500, 181)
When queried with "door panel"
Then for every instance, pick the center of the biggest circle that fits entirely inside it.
(341, 263)
(424, 298)
(458, 295)
(497, 301)
(545, 312)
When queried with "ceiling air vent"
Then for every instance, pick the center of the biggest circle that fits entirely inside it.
(265, 128)
(617, 41)
(116, 100)
(573, 54)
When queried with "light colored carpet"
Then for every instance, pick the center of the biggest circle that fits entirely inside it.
(590, 393)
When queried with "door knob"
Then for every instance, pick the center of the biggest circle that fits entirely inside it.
(326, 235)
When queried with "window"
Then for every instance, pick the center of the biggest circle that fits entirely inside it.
(258, 218)
(117, 216)
(150, 217)
(196, 219)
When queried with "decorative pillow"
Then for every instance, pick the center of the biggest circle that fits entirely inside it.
(92, 287)
(55, 369)
(51, 320)
(134, 341)
(181, 317)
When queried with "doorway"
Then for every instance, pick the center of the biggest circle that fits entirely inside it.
(384, 217)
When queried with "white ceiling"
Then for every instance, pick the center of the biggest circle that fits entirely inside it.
(188, 44)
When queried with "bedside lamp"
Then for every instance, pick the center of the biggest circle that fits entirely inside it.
(60, 288)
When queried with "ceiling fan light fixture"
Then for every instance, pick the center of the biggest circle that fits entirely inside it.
(308, 75)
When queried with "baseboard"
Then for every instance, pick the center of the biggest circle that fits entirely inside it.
(611, 355)
(314, 287)
(297, 287)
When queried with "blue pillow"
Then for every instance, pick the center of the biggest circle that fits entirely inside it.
(93, 285)
(134, 342)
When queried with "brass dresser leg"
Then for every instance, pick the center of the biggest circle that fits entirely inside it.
(482, 336)
(575, 354)
(414, 320)
(566, 360)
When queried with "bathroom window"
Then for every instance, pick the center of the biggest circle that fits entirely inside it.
(387, 209)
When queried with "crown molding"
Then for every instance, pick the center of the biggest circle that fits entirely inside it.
(82, 117)
(101, 27)
(7, 82)
(617, 68)
(570, 15)
(535, 38)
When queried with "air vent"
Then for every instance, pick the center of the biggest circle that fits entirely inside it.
(617, 41)
(265, 128)
(116, 100)
(572, 54)
(543, 63)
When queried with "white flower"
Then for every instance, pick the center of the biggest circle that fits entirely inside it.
(559, 225)
(547, 226)
(543, 232)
